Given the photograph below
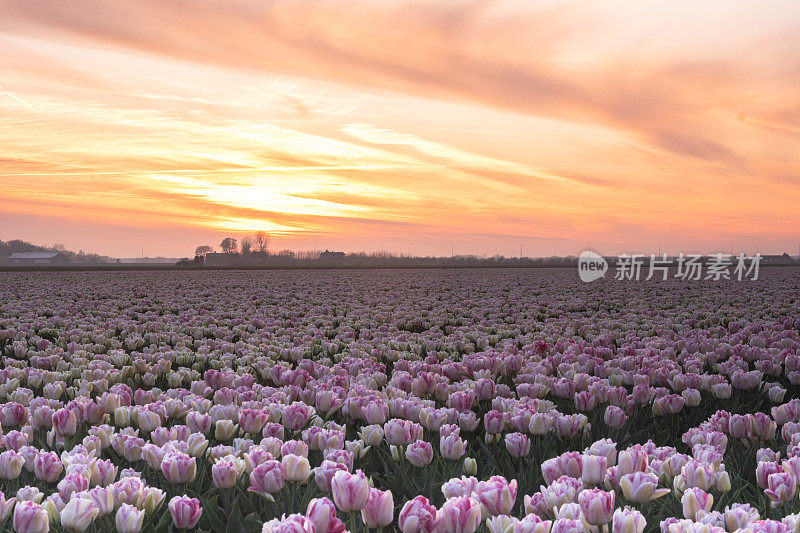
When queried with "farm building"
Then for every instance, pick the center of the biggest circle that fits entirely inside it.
(37, 258)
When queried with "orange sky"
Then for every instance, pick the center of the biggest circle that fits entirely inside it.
(409, 125)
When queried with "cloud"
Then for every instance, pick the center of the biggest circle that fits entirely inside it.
(516, 55)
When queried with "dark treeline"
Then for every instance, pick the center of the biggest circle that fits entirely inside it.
(80, 257)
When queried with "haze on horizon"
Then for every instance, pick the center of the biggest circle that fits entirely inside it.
(408, 125)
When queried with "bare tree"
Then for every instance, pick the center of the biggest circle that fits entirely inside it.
(229, 245)
(203, 249)
(261, 241)
(247, 244)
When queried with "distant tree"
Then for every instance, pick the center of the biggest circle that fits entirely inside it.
(229, 245)
(203, 249)
(286, 253)
(247, 244)
(261, 241)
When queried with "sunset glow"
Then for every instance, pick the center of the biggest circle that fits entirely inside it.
(412, 126)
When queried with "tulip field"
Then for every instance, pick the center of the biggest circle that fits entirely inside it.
(448, 401)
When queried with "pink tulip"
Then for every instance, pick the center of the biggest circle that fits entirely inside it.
(78, 514)
(628, 521)
(72, 483)
(294, 523)
(252, 420)
(551, 470)
(30, 517)
(148, 421)
(739, 426)
(461, 401)
(568, 426)
(694, 502)
(179, 467)
(375, 412)
(65, 423)
(185, 511)
(532, 524)
(584, 401)
(632, 460)
(11, 464)
(593, 468)
(226, 472)
(641, 487)
(452, 447)
(345, 457)
(764, 470)
(322, 512)
(569, 463)
(350, 491)
(401, 432)
(493, 421)
(518, 444)
(6, 505)
(567, 525)
(294, 447)
(419, 453)
(323, 474)
(463, 486)
(267, 478)
(129, 519)
(16, 440)
(739, 516)
(295, 416)
(597, 506)
(497, 495)
(614, 417)
(103, 499)
(379, 511)
(274, 430)
(47, 466)
(460, 515)
(781, 488)
(484, 389)
(763, 426)
(128, 490)
(418, 516)
(198, 422)
(670, 404)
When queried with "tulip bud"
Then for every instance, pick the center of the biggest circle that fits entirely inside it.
(296, 467)
(470, 466)
(224, 430)
(129, 519)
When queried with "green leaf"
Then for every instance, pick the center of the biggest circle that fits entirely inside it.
(235, 519)
(252, 523)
